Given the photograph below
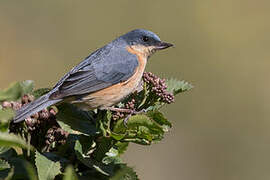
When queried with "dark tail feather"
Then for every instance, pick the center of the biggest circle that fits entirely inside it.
(34, 107)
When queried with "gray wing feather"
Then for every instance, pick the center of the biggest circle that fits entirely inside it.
(103, 68)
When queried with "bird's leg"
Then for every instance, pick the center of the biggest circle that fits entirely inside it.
(122, 110)
(126, 119)
(133, 113)
(129, 111)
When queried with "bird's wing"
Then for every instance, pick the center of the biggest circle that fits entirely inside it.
(96, 72)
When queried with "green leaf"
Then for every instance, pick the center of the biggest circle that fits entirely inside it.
(89, 162)
(113, 152)
(140, 129)
(175, 86)
(117, 136)
(39, 92)
(6, 115)
(67, 128)
(4, 165)
(70, 174)
(27, 86)
(121, 147)
(22, 169)
(95, 175)
(112, 157)
(107, 119)
(123, 172)
(7, 174)
(75, 121)
(160, 119)
(47, 169)
(104, 144)
(103, 122)
(55, 158)
(135, 122)
(16, 90)
(31, 172)
(7, 152)
(10, 140)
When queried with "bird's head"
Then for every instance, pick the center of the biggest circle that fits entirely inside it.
(144, 42)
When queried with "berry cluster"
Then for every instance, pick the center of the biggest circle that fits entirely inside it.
(158, 87)
(130, 104)
(41, 122)
(12, 104)
(56, 134)
(117, 115)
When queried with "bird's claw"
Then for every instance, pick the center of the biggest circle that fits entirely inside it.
(132, 112)
(126, 120)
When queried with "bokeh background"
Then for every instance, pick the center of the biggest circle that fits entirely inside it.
(221, 128)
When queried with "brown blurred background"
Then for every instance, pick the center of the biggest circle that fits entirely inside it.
(221, 127)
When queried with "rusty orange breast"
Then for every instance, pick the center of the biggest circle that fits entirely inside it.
(115, 93)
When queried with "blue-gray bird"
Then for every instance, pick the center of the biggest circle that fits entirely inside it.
(104, 78)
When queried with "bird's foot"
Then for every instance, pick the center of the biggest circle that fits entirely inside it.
(133, 112)
(130, 112)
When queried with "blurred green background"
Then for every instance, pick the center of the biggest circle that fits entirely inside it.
(221, 128)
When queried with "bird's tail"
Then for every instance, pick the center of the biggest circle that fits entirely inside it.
(34, 107)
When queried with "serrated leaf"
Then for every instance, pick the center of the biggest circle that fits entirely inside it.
(160, 119)
(47, 169)
(70, 173)
(175, 86)
(140, 129)
(16, 90)
(11, 140)
(123, 172)
(76, 120)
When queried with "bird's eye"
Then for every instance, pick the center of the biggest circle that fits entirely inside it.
(145, 38)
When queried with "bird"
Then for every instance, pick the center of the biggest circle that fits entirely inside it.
(103, 78)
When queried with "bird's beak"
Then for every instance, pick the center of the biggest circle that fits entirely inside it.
(162, 45)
